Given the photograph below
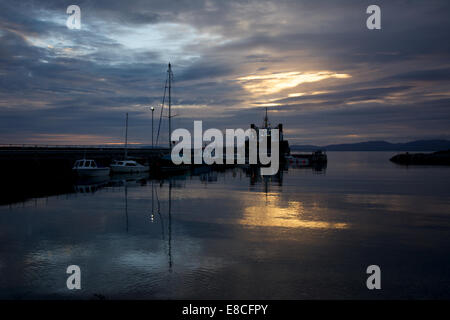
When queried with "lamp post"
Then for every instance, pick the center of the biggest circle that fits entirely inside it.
(153, 109)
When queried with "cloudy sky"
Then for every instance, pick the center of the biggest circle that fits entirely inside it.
(315, 64)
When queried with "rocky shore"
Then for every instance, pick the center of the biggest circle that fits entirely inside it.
(435, 158)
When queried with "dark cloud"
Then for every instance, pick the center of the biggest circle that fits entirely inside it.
(442, 74)
(55, 81)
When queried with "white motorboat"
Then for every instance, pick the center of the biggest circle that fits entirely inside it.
(128, 166)
(89, 168)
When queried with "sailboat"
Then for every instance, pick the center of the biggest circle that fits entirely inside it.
(164, 163)
(126, 165)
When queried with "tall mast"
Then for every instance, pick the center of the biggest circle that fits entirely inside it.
(266, 120)
(170, 103)
(126, 138)
(170, 226)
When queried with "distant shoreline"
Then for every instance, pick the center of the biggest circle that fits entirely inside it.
(413, 146)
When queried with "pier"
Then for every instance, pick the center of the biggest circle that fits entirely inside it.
(72, 153)
(30, 171)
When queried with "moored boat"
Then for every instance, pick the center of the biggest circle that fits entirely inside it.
(89, 168)
(164, 163)
(128, 166)
(318, 157)
(283, 145)
(297, 161)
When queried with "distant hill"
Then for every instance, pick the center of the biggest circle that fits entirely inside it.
(418, 145)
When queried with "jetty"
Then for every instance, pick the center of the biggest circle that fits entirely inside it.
(73, 152)
(435, 158)
(56, 158)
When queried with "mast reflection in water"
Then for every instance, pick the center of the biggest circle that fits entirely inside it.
(234, 234)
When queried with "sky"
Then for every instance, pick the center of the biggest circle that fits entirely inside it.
(315, 65)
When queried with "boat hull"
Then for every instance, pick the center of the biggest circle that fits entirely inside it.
(91, 172)
(124, 169)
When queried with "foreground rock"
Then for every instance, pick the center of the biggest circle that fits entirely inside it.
(435, 158)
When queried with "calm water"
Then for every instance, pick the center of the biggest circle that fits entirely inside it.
(303, 235)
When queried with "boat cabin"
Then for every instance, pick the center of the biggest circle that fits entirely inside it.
(84, 163)
(126, 163)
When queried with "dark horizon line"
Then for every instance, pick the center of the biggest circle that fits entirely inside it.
(382, 145)
(365, 143)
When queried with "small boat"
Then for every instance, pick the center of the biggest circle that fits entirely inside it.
(164, 164)
(128, 166)
(317, 158)
(297, 160)
(89, 168)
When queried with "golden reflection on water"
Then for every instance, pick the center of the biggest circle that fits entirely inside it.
(271, 212)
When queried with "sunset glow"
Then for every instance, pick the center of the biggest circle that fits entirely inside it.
(276, 82)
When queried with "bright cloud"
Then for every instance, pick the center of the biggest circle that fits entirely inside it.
(276, 82)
